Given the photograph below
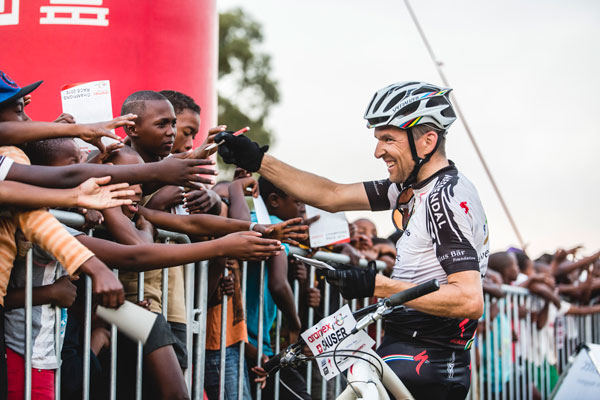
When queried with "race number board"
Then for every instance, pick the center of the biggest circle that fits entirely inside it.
(333, 331)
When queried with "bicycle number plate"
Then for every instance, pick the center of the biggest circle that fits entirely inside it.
(331, 333)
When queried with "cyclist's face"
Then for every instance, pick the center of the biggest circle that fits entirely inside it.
(393, 148)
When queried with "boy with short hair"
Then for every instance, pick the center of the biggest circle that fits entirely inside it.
(188, 120)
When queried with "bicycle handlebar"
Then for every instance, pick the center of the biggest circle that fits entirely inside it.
(273, 362)
(412, 293)
(397, 299)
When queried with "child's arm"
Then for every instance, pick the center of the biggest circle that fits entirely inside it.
(194, 224)
(170, 171)
(281, 291)
(584, 310)
(88, 195)
(122, 230)
(214, 225)
(242, 245)
(39, 226)
(61, 293)
(566, 267)
(239, 208)
(15, 133)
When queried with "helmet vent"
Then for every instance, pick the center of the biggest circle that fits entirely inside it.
(425, 89)
(395, 100)
(379, 103)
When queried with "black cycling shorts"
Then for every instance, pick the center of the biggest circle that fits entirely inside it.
(428, 371)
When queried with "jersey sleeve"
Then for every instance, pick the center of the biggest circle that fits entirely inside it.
(451, 230)
(5, 164)
(382, 194)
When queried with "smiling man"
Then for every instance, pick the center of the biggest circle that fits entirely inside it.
(445, 233)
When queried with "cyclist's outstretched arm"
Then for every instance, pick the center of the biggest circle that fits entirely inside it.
(314, 189)
(462, 297)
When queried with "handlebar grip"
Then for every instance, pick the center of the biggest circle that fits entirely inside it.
(273, 363)
(412, 293)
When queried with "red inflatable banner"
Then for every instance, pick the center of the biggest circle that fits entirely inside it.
(135, 44)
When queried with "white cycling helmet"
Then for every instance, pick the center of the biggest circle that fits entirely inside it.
(408, 104)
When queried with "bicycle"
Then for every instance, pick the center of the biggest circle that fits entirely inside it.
(369, 377)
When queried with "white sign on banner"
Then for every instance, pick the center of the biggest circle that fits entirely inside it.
(260, 208)
(325, 336)
(329, 229)
(88, 102)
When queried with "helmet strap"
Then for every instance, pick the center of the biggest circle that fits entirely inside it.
(412, 177)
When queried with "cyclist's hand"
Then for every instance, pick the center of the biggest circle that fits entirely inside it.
(353, 282)
(241, 151)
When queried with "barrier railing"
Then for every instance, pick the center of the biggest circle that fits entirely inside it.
(521, 359)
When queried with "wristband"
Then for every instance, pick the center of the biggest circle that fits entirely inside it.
(252, 225)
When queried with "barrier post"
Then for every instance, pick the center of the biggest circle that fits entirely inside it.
(277, 350)
(261, 313)
(200, 328)
(326, 295)
(113, 356)
(242, 362)
(488, 346)
(189, 310)
(311, 316)
(87, 333)
(140, 347)
(28, 321)
(223, 354)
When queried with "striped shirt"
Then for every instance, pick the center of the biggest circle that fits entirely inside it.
(38, 226)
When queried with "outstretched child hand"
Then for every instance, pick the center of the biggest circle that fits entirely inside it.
(248, 245)
(289, 231)
(93, 133)
(90, 194)
(201, 201)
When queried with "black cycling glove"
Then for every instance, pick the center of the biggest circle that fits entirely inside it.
(241, 151)
(353, 282)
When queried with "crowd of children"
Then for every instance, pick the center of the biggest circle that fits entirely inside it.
(152, 180)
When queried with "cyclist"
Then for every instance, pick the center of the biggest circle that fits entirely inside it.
(445, 233)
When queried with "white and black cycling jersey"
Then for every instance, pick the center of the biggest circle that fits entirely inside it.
(447, 233)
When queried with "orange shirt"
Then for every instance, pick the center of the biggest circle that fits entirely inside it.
(236, 323)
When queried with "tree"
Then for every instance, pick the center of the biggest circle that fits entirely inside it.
(247, 92)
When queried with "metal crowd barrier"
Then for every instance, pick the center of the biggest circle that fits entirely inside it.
(524, 358)
(509, 373)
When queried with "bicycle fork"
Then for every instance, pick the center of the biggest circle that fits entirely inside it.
(365, 379)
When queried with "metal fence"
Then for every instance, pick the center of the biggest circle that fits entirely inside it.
(523, 357)
(520, 357)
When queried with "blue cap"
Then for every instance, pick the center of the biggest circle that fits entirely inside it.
(10, 91)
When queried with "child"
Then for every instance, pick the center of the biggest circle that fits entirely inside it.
(188, 120)
(47, 292)
(277, 294)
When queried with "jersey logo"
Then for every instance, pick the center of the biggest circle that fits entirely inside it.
(450, 366)
(421, 358)
(465, 207)
(462, 326)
